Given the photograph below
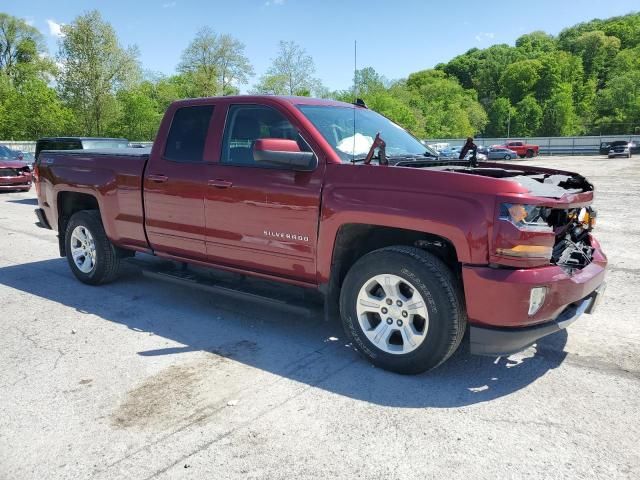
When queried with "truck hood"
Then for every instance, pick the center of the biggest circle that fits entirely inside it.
(12, 164)
(538, 181)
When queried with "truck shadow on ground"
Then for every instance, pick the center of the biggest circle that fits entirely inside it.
(25, 201)
(304, 349)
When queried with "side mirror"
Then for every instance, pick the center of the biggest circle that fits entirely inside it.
(283, 152)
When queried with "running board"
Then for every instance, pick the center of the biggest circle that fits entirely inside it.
(184, 276)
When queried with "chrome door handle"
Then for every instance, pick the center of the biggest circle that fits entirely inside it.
(158, 178)
(219, 183)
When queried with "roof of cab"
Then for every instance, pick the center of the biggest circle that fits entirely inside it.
(294, 100)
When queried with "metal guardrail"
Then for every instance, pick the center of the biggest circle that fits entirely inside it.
(586, 145)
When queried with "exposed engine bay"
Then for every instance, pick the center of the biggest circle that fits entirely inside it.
(572, 249)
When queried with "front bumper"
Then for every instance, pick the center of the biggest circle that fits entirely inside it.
(505, 341)
(21, 182)
(497, 301)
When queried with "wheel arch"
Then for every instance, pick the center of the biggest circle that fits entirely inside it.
(354, 240)
(68, 203)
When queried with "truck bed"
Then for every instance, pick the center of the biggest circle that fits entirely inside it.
(113, 177)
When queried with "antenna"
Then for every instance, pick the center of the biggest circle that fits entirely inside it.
(355, 95)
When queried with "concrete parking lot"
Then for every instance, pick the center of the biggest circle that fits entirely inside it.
(142, 379)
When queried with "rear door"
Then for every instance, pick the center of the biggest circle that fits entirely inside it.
(175, 183)
(262, 218)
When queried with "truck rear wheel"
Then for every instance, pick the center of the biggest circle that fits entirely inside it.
(402, 308)
(91, 256)
(530, 154)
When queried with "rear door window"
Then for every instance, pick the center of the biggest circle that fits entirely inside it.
(188, 134)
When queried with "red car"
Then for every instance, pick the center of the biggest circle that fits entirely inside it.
(14, 175)
(407, 248)
(522, 149)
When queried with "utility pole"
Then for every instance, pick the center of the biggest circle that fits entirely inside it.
(509, 124)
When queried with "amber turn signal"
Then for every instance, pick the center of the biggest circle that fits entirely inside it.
(534, 251)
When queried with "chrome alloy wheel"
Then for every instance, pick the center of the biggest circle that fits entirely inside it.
(392, 314)
(83, 249)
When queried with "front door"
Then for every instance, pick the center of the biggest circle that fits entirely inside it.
(262, 217)
(175, 185)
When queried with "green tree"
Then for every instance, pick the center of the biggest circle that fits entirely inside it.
(596, 50)
(22, 50)
(528, 117)
(138, 113)
(291, 73)
(536, 43)
(501, 114)
(447, 109)
(95, 67)
(215, 63)
(559, 116)
(32, 110)
(519, 79)
(618, 104)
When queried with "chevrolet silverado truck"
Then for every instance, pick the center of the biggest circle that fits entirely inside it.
(409, 249)
(522, 149)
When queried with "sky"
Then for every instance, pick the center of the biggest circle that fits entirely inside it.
(394, 37)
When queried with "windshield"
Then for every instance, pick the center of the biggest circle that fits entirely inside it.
(336, 124)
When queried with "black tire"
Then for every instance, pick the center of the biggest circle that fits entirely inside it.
(438, 287)
(530, 154)
(107, 260)
(507, 156)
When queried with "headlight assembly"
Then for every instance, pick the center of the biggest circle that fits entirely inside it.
(525, 216)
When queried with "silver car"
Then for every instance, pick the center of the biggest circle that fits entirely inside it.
(501, 153)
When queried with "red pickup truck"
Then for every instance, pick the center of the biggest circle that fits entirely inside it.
(523, 149)
(409, 249)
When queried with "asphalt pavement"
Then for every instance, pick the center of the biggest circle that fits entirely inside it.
(142, 379)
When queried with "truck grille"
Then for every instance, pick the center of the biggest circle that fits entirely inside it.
(8, 172)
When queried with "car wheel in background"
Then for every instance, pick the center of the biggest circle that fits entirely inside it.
(402, 308)
(507, 156)
(91, 256)
(529, 153)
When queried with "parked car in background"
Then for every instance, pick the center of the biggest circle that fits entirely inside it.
(522, 149)
(14, 175)
(448, 153)
(79, 143)
(619, 148)
(501, 153)
(438, 147)
(6, 152)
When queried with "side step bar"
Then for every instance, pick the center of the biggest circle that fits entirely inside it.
(245, 291)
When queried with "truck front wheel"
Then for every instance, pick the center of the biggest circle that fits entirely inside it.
(91, 256)
(402, 308)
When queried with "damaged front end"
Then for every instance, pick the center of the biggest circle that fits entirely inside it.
(572, 249)
(553, 227)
